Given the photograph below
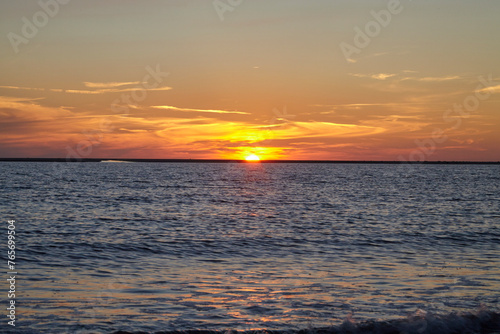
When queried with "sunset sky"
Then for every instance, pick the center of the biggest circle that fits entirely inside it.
(282, 79)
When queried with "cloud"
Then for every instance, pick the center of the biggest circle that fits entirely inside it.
(378, 76)
(383, 76)
(27, 121)
(490, 89)
(398, 124)
(232, 139)
(188, 131)
(432, 79)
(357, 105)
(201, 110)
(110, 84)
(8, 100)
(22, 88)
(25, 118)
(325, 129)
(79, 91)
(26, 108)
(91, 92)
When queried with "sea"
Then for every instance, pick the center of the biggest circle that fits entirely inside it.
(115, 247)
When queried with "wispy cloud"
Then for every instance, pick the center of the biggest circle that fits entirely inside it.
(398, 124)
(110, 84)
(355, 105)
(28, 110)
(86, 91)
(201, 110)
(327, 129)
(491, 89)
(383, 76)
(433, 79)
(377, 76)
(4, 100)
(78, 91)
(22, 88)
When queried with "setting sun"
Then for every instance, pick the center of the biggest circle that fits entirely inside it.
(252, 157)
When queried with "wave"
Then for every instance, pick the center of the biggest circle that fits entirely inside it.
(421, 322)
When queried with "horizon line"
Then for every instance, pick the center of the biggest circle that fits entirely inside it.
(244, 161)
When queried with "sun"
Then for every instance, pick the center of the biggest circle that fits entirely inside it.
(252, 157)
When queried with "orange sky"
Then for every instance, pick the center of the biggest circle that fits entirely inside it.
(289, 79)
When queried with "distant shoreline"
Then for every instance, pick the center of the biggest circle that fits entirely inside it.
(243, 161)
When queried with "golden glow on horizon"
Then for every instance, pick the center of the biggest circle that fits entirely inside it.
(252, 157)
(263, 153)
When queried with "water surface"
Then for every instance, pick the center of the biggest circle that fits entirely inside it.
(179, 246)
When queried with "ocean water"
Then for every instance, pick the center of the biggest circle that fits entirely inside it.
(338, 248)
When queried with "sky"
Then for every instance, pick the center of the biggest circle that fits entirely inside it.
(222, 79)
